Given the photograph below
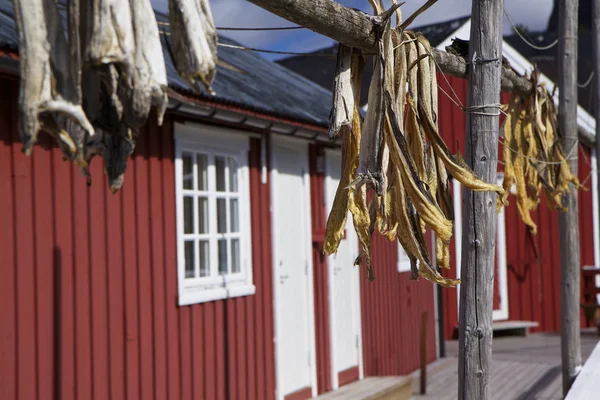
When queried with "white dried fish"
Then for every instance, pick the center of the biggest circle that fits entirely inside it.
(194, 41)
(107, 35)
(150, 75)
(47, 95)
(342, 108)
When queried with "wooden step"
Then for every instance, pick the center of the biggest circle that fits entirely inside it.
(373, 388)
(520, 328)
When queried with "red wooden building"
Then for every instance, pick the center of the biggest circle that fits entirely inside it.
(203, 277)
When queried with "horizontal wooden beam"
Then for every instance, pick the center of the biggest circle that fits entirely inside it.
(355, 28)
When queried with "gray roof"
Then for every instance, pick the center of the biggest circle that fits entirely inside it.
(257, 84)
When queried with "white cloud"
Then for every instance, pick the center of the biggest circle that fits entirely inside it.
(241, 13)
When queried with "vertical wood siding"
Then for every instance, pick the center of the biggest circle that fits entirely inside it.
(320, 270)
(391, 313)
(533, 282)
(88, 295)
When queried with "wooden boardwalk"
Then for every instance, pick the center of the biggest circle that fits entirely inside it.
(523, 368)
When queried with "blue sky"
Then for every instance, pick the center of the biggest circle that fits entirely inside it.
(241, 13)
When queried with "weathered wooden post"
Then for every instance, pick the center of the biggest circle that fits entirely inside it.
(570, 269)
(479, 215)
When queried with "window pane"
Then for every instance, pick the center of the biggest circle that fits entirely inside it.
(220, 167)
(188, 215)
(233, 215)
(202, 215)
(222, 256)
(204, 258)
(233, 175)
(221, 215)
(188, 173)
(189, 259)
(202, 172)
(235, 255)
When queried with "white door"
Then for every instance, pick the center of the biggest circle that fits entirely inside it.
(500, 311)
(294, 319)
(344, 291)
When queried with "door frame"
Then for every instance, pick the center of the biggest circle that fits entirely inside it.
(294, 144)
(356, 283)
(502, 313)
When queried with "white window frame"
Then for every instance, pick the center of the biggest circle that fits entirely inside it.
(200, 138)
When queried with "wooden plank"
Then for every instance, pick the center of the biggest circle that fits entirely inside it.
(26, 346)
(479, 211)
(114, 227)
(98, 293)
(145, 300)
(157, 190)
(185, 343)
(200, 374)
(44, 274)
(170, 260)
(221, 357)
(568, 221)
(130, 271)
(8, 268)
(64, 260)
(210, 356)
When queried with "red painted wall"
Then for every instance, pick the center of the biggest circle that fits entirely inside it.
(391, 315)
(533, 284)
(88, 292)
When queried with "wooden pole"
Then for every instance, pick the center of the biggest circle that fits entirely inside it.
(596, 89)
(479, 217)
(568, 221)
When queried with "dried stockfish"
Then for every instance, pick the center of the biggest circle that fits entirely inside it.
(194, 41)
(342, 109)
(534, 158)
(107, 36)
(150, 75)
(47, 97)
(370, 158)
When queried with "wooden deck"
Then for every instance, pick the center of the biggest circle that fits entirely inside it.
(523, 368)
(373, 388)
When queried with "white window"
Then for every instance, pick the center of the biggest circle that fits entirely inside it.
(403, 260)
(213, 214)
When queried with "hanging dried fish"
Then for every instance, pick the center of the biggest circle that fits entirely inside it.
(534, 159)
(369, 167)
(342, 109)
(47, 97)
(150, 75)
(107, 36)
(194, 41)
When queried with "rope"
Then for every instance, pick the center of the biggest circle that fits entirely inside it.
(589, 80)
(551, 45)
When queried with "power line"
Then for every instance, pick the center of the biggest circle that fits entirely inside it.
(229, 28)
